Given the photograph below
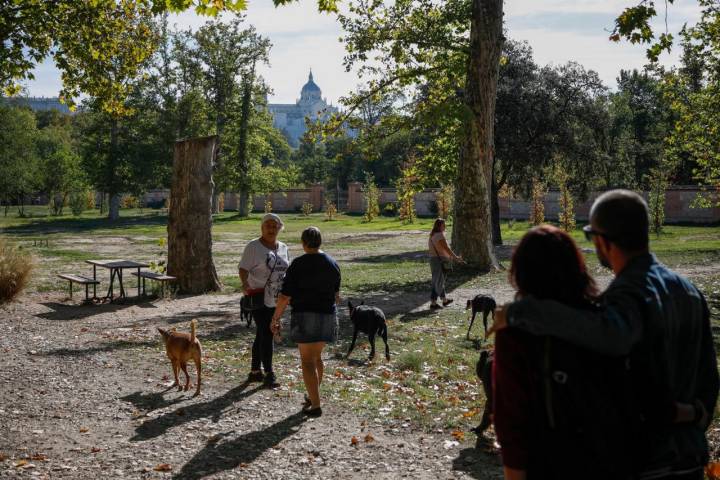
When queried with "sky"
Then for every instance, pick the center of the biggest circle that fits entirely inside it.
(558, 31)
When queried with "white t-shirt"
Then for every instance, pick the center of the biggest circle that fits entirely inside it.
(260, 261)
(433, 245)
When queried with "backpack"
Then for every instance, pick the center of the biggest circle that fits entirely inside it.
(589, 418)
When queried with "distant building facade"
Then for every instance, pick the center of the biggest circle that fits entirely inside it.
(290, 118)
(39, 103)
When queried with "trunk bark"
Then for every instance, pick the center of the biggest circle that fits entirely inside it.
(190, 218)
(472, 225)
(114, 204)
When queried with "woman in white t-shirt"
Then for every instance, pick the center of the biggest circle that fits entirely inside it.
(262, 268)
(440, 252)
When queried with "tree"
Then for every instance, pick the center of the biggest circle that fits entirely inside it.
(18, 158)
(60, 170)
(83, 39)
(222, 52)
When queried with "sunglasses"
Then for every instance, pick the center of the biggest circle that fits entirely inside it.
(589, 233)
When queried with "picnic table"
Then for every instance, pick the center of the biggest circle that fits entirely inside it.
(116, 268)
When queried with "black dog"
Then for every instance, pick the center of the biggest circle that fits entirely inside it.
(246, 315)
(481, 303)
(370, 320)
(483, 369)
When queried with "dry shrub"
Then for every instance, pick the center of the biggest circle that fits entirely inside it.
(15, 267)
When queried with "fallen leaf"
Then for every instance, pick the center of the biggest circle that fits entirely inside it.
(243, 465)
(459, 435)
(386, 386)
(3, 457)
(471, 413)
(95, 449)
(163, 467)
(354, 441)
(22, 463)
(369, 438)
(39, 456)
(84, 430)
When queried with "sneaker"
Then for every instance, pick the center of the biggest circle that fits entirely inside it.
(447, 302)
(434, 306)
(270, 381)
(255, 377)
(312, 412)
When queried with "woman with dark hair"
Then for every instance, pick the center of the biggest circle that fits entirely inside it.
(312, 287)
(530, 371)
(441, 256)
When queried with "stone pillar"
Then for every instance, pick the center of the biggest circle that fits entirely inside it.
(317, 192)
(355, 198)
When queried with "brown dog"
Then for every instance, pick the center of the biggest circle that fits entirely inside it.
(180, 348)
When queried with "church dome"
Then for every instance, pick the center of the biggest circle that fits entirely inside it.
(310, 86)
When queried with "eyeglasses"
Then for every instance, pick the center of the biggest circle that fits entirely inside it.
(589, 233)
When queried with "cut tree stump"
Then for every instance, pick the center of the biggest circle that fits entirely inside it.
(190, 257)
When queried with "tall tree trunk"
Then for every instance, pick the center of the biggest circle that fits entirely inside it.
(243, 163)
(472, 225)
(190, 218)
(114, 204)
(220, 121)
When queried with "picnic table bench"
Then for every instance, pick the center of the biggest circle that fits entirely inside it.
(158, 277)
(82, 281)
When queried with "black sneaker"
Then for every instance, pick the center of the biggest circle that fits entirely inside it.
(447, 302)
(434, 306)
(312, 412)
(255, 377)
(270, 381)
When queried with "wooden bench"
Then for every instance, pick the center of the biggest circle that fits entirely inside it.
(158, 277)
(81, 280)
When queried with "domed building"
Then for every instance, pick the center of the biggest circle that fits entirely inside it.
(290, 118)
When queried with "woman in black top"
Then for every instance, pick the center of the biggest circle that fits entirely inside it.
(312, 287)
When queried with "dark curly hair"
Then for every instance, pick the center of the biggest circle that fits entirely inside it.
(547, 264)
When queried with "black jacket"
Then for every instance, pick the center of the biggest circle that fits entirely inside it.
(662, 322)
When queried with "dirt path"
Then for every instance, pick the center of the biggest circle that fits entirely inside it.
(83, 394)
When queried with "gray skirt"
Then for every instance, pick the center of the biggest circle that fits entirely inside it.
(311, 327)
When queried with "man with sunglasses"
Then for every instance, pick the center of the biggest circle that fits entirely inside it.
(656, 318)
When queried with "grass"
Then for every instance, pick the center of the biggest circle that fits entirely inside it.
(430, 382)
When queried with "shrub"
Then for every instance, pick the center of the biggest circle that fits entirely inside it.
(566, 216)
(307, 208)
(78, 202)
(129, 201)
(388, 210)
(444, 201)
(221, 202)
(410, 361)
(371, 193)
(15, 268)
(268, 205)
(537, 207)
(658, 180)
(330, 211)
(90, 200)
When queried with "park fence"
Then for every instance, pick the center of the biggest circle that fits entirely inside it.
(679, 202)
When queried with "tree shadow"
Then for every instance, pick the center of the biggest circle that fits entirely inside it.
(211, 409)
(103, 348)
(63, 225)
(62, 311)
(478, 461)
(222, 456)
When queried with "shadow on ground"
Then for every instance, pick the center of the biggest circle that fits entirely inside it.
(102, 348)
(214, 409)
(61, 225)
(226, 455)
(477, 461)
(63, 311)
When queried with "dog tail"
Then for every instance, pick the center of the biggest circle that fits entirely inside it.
(193, 325)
